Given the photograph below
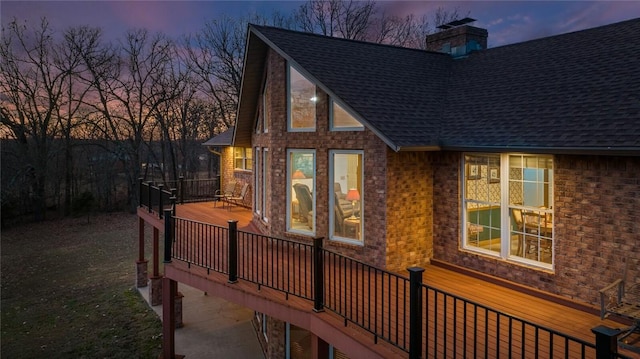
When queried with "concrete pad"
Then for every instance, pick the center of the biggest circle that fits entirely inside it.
(213, 327)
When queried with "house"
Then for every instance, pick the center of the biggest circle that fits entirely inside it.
(520, 162)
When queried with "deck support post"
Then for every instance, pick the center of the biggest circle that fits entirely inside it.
(606, 342)
(318, 275)
(415, 312)
(142, 276)
(169, 292)
(155, 290)
(233, 251)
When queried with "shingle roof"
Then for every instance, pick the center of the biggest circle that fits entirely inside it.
(223, 139)
(574, 92)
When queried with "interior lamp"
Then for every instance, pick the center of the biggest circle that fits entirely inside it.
(353, 195)
(298, 175)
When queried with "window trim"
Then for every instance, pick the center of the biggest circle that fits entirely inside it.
(244, 159)
(290, 128)
(332, 214)
(265, 176)
(265, 111)
(505, 212)
(332, 127)
(289, 196)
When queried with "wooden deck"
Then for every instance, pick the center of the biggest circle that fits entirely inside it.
(552, 314)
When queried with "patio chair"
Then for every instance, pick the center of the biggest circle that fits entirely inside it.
(221, 195)
(622, 298)
(238, 199)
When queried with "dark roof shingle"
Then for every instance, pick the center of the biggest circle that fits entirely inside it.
(571, 92)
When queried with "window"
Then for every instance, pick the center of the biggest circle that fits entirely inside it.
(265, 108)
(346, 208)
(342, 120)
(301, 166)
(266, 183)
(519, 189)
(257, 199)
(242, 158)
(302, 102)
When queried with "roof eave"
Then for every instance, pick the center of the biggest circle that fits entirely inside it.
(601, 151)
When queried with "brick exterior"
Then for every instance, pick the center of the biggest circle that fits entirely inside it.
(412, 206)
(229, 173)
(278, 140)
(595, 201)
(409, 207)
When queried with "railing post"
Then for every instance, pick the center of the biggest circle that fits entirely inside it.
(173, 204)
(606, 342)
(140, 191)
(168, 235)
(181, 189)
(318, 275)
(233, 251)
(149, 198)
(415, 312)
(160, 206)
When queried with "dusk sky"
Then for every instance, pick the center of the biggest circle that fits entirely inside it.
(507, 21)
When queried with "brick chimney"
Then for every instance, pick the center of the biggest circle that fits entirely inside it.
(457, 38)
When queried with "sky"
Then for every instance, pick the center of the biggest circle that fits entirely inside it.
(507, 21)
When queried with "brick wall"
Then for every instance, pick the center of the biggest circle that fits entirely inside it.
(278, 140)
(409, 207)
(595, 199)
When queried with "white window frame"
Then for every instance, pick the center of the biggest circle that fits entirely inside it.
(289, 198)
(257, 198)
(244, 159)
(505, 210)
(332, 104)
(332, 215)
(290, 127)
(265, 178)
(265, 109)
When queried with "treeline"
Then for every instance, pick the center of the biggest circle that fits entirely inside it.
(83, 117)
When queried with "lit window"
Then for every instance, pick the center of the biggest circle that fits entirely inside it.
(518, 188)
(302, 102)
(342, 120)
(300, 191)
(266, 184)
(346, 209)
(243, 158)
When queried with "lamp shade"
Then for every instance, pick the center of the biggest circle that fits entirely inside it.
(298, 175)
(353, 195)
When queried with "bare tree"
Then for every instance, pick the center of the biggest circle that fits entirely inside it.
(33, 88)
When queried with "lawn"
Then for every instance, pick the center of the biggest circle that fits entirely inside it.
(68, 291)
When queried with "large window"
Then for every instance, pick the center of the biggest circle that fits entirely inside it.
(302, 102)
(346, 209)
(342, 120)
(242, 158)
(301, 196)
(266, 184)
(508, 201)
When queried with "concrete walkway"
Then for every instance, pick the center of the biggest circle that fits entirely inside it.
(213, 327)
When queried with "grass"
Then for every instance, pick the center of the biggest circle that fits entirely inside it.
(68, 291)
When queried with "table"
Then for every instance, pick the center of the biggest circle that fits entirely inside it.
(352, 223)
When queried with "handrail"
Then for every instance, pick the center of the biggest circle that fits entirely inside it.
(184, 190)
(374, 299)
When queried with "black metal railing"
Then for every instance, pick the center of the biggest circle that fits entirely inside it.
(424, 321)
(184, 191)
(156, 197)
(372, 298)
